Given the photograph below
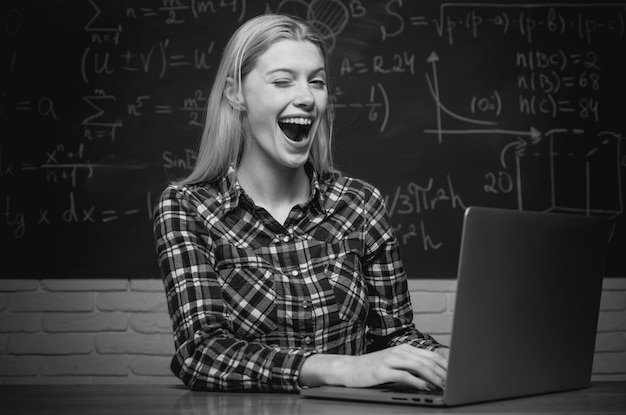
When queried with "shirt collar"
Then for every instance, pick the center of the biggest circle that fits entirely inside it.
(230, 190)
(234, 195)
(316, 198)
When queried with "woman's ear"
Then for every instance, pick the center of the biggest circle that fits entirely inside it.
(233, 95)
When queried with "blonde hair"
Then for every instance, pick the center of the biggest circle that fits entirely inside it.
(223, 135)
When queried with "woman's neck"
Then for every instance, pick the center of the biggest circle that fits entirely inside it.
(277, 190)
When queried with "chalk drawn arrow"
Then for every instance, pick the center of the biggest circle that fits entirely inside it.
(433, 86)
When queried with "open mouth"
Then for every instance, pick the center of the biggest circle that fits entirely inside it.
(296, 128)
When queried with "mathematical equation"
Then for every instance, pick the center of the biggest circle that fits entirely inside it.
(71, 211)
(600, 169)
(457, 20)
(169, 12)
(448, 104)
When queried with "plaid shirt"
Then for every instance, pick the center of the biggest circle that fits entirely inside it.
(250, 298)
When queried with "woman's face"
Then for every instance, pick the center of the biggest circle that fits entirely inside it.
(285, 96)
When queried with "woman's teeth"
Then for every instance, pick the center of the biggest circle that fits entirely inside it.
(295, 128)
(297, 120)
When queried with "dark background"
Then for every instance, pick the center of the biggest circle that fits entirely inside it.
(440, 106)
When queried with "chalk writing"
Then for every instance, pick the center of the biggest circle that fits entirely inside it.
(440, 105)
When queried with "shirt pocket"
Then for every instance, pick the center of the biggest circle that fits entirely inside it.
(349, 288)
(250, 300)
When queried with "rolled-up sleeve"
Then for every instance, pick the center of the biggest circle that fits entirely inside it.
(391, 314)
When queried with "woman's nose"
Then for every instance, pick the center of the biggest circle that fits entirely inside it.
(304, 97)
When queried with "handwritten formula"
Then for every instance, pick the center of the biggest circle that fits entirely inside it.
(440, 105)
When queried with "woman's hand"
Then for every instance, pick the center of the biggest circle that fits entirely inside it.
(404, 364)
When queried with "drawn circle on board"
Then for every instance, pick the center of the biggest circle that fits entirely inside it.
(330, 17)
(293, 7)
(332, 13)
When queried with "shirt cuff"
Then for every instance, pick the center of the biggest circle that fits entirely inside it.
(302, 356)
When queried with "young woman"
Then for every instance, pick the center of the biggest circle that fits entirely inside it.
(279, 272)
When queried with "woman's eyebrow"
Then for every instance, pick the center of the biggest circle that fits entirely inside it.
(290, 71)
(321, 70)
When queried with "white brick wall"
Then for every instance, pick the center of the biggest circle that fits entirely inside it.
(84, 331)
(118, 331)
(610, 357)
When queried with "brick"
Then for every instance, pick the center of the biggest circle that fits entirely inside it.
(50, 344)
(609, 363)
(141, 344)
(4, 345)
(3, 301)
(131, 301)
(429, 302)
(151, 323)
(612, 321)
(20, 322)
(85, 285)
(435, 285)
(151, 366)
(46, 301)
(452, 302)
(610, 342)
(15, 285)
(84, 322)
(151, 285)
(613, 300)
(443, 339)
(433, 323)
(19, 365)
(614, 284)
(94, 365)
(608, 378)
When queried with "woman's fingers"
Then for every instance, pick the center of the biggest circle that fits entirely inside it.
(435, 357)
(424, 368)
(422, 363)
(407, 379)
(405, 364)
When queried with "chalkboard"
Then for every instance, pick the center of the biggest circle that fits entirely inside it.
(440, 105)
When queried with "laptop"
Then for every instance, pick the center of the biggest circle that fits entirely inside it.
(526, 312)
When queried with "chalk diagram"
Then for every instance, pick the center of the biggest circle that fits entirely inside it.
(330, 17)
(569, 157)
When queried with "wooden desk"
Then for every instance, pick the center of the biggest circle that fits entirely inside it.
(600, 398)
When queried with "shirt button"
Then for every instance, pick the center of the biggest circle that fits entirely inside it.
(295, 272)
(308, 340)
(305, 304)
(286, 238)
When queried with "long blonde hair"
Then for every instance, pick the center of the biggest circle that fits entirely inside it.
(223, 135)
